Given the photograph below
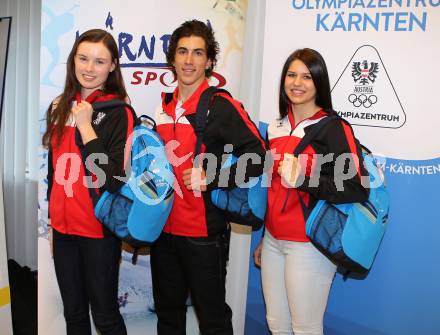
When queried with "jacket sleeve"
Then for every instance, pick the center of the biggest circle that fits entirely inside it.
(49, 178)
(236, 128)
(339, 178)
(117, 129)
(50, 169)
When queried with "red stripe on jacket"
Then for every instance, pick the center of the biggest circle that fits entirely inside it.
(352, 144)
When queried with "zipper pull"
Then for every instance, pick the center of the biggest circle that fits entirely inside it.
(175, 122)
(285, 200)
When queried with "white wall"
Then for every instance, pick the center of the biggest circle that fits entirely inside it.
(5, 296)
(236, 290)
(20, 134)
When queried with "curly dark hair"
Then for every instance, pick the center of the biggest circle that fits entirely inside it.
(194, 28)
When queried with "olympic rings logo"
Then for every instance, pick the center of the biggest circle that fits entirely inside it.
(362, 100)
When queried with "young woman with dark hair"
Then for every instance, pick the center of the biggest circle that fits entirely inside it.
(296, 277)
(86, 256)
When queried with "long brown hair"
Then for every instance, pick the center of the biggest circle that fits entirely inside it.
(56, 117)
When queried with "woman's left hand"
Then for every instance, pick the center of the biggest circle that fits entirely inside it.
(289, 169)
(82, 114)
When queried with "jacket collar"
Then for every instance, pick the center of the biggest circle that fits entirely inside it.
(96, 96)
(319, 114)
(190, 104)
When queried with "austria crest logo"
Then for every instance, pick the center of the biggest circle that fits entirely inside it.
(364, 74)
(364, 93)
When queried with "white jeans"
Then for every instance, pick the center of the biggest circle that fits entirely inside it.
(296, 281)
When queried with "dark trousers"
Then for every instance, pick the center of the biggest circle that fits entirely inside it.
(182, 265)
(87, 271)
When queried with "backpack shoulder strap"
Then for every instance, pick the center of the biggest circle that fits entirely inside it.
(222, 91)
(168, 97)
(310, 135)
(305, 141)
(112, 104)
(202, 116)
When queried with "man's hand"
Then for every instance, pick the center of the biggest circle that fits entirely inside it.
(194, 179)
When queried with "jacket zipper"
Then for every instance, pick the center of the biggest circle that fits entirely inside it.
(288, 190)
(175, 168)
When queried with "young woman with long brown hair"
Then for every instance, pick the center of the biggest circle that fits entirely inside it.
(86, 256)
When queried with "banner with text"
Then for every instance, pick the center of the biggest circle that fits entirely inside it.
(142, 30)
(381, 57)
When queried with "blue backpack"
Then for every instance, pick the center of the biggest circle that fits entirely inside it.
(245, 204)
(139, 210)
(349, 234)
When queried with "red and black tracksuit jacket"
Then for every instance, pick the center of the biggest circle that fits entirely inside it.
(285, 216)
(227, 123)
(73, 213)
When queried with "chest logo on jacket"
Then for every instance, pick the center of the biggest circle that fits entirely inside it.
(99, 118)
